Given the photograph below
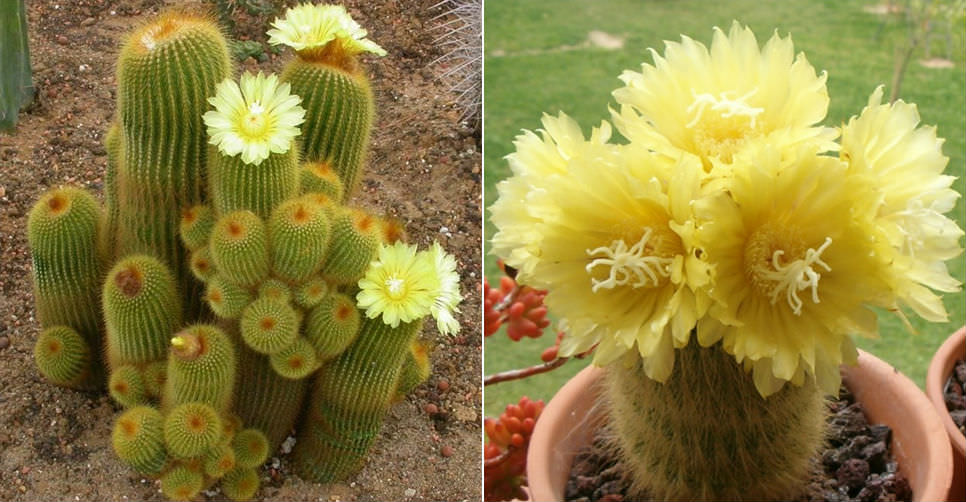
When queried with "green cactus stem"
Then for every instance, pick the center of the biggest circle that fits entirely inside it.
(235, 185)
(338, 115)
(239, 248)
(707, 434)
(114, 145)
(355, 239)
(251, 448)
(142, 309)
(311, 292)
(276, 290)
(138, 439)
(65, 236)
(126, 386)
(201, 368)
(349, 400)
(319, 177)
(265, 400)
(200, 263)
(182, 483)
(166, 71)
(195, 227)
(299, 235)
(240, 483)
(298, 360)
(191, 429)
(268, 325)
(64, 358)
(219, 459)
(415, 369)
(154, 374)
(226, 299)
(332, 325)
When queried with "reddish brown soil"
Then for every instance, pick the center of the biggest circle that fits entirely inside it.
(424, 169)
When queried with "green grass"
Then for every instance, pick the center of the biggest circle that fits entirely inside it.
(536, 62)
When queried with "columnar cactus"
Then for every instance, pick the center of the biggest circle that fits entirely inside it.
(66, 237)
(201, 368)
(333, 85)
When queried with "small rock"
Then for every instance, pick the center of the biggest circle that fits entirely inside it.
(4, 342)
(88, 21)
(852, 474)
(409, 492)
(442, 385)
(431, 409)
(446, 451)
(62, 40)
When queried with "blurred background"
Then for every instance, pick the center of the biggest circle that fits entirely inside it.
(565, 55)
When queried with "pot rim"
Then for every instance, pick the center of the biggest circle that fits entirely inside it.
(940, 367)
(556, 439)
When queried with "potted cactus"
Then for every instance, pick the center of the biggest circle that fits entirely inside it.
(720, 259)
(241, 296)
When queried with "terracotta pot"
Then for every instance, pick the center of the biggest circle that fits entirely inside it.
(920, 443)
(940, 368)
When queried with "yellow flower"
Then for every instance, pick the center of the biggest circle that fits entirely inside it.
(399, 285)
(601, 237)
(717, 103)
(448, 296)
(535, 158)
(794, 266)
(887, 153)
(308, 27)
(257, 119)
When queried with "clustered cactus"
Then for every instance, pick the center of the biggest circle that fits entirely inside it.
(236, 291)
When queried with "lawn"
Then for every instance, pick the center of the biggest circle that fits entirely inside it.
(538, 59)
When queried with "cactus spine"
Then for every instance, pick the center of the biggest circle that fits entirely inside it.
(63, 357)
(239, 248)
(349, 400)
(355, 238)
(235, 185)
(266, 400)
(138, 439)
(201, 368)
(725, 442)
(166, 71)
(190, 429)
(65, 235)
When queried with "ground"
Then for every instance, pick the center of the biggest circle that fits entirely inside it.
(424, 168)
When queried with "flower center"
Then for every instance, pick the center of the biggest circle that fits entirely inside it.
(729, 122)
(774, 273)
(396, 287)
(254, 123)
(638, 266)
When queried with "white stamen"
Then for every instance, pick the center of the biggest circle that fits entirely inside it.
(627, 265)
(256, 108)
(796, 276)
(394, 284)
(148, 41)
(725, 104)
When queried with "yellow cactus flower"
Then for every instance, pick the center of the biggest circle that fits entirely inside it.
(308, 28)
(255, 119)
(717, 102)
(794, 268)
(399, 285)
(448, 296)
(887, 152)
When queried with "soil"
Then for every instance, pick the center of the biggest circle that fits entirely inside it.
(424, 168)
(954, 393)
(856, 464)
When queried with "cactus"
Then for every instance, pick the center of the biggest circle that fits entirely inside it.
(65, 236)
(355, 238)
(275, 290)
(239, 248)
(201, 368)
(415, 369)
(166, 70)
(268, 325)
(195, 227)
(141, 310)
(191, 429)
(240, 483)
(319, 177)
(659, 428)
(311, 292)
(138, 439)
(63, 357)
(154, 374)
(182, 483)
(332, 325)
(298, 360)
(299, 233)
(226, 299)
(126, 386)
(236, 185)
(265, 400)
(219, 459)
(251, 448)
(201, 266)
(349, 400)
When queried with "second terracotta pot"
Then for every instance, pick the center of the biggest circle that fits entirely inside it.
(920, 443)
(941, 366)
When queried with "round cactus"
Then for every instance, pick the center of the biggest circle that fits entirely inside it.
(196, 224)
(190, 429)
(298, 360)
(415, 369)
(299, 233)
(240, 483)
(276, 290)
(127, 387)
(138, 439)
(201, 368)
(63, 357)
(355, 238)
(141, 310)
(319, 177)
(332, 325)
(311, 292)
(269, 325)
(219, 459)
(182, 483)
(251, 448)
(239, 248)
(226, 299)
(201, 265)
(154, 375)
